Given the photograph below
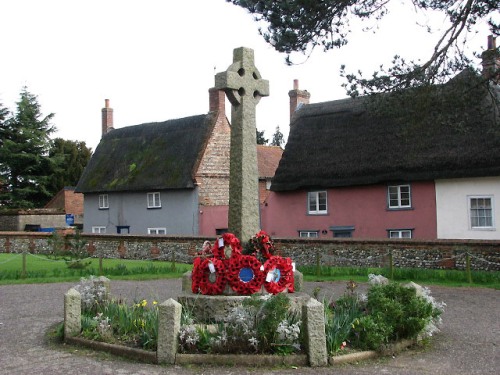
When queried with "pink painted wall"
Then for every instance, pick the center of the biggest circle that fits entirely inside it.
(364, 207)
(212, 218)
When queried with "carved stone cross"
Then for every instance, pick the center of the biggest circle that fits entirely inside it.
(244, 87)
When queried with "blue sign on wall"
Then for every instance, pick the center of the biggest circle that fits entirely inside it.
(70, 219)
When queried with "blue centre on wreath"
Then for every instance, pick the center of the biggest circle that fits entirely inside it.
(246, 275)
(276, 275)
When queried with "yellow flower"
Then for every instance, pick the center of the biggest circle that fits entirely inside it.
(155, 303)
(144, 303)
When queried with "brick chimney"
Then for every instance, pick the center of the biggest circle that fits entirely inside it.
(107, 118)
(491, 61)
(297, 97)
(217, 101)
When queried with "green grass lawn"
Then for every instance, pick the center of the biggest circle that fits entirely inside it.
(41, 269)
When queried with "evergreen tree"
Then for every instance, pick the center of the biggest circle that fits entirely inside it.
(261, 140)
(24, 161)
(4, 113)
(70, 159)
(278, 138)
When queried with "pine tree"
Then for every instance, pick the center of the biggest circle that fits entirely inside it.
(261, 140)
(278, 138)
(24, 161)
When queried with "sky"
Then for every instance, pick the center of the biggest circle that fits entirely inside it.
(156, 59)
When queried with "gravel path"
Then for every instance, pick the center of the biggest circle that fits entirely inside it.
(468, 343)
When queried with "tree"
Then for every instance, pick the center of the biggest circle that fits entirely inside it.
(303, 25)
(4, 113)
(70, 159)
(278, 139)
(24, 161)
(261, 140)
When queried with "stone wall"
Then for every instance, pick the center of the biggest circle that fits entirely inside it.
(16, 220)
(439, 254)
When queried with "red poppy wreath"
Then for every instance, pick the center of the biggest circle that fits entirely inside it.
(213, 276)
(278, 272)
(245, 275)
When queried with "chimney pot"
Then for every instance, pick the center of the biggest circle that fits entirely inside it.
(107, 118)
(217, 101)
(297, 97)
(491, 61)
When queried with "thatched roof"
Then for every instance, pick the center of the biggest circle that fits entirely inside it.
(401, 137)
(153, 156)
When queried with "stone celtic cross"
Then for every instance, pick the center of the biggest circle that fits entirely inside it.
(244, 87)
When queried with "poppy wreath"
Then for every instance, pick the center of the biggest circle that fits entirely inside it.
(196, 275)
(235, 265)
(229, 240)
(285, 279)
(267, 245)
(261, 243)
(205, 285)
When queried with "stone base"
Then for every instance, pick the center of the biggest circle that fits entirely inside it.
(209, 309)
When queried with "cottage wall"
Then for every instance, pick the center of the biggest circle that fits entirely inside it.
(362, 207)
(453, 213)
(129, 209)
(212, 176)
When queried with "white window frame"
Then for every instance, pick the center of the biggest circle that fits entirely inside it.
(99, 229)
(398, 196)
(103, 201)
(313, 198)
(153, 200)
(308, 233)
(491, 211)
(157, 231)
(399, 233)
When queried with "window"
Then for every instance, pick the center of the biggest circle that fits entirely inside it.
(98, 229)
(103, 201)
(123, 229)
(316, 202)
(157, 231)
(399, 196)
(344, 231)
(154, 200)
(481, 212)
(308, 233)
(400, 233)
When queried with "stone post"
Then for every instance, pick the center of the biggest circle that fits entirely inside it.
(244, 87)
(314, 323)
(72, 313)
(169, 325)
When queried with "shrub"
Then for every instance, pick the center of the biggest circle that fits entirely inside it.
(394, 312)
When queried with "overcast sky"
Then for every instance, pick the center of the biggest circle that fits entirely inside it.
(156, 59)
